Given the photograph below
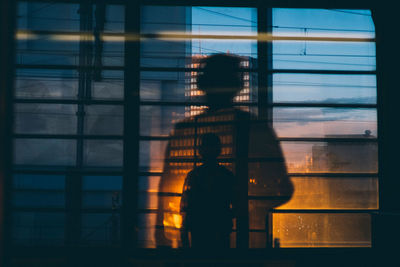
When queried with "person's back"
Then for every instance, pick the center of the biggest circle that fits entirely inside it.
(208, 198)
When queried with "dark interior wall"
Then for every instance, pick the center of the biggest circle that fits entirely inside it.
(7, 21)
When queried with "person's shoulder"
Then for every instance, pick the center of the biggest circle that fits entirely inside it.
(225, 171)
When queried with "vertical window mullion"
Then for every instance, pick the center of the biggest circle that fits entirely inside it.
(264, 55)
(131, 125)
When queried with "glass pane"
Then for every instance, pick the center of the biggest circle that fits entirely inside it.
(104, 119)
(169, 51)
(100, 228)
(319, 88)
(42, 16)
(115, 18)
(326, 122)
(111, 85)
(36, 83)
(164, 86)
(42, 199)
(334, 193)
(102, 183)
(102, 192)
(149, 183)
(160, 120)
(147, 230)
(257, 239)
(151, 155)
(331, 157)
(38, 228)
(329, 55)
(44, 152)
(103, 153)
(32, 181)
(322, 230)
(45, 118)
(323, 55)
(38, 190)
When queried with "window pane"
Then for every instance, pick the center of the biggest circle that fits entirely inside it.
(151, 155)
(38, 228)
(330, 55)
(100, 228)
(160, 120)
(331, 156)
(34, 83)
(164, 86)
(43, 199)
(31, 181)
(111, 85)
(326, 122)
(104, 119)
(167, 51)
(44, 152)
(322, 230)
(333, 193)
(318, 88)
(102, 192)
(45, 118)
(103, 153)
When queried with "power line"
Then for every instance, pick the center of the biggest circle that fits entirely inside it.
(225, 15)
(349, 12)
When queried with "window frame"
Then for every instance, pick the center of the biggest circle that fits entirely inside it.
(132, 101)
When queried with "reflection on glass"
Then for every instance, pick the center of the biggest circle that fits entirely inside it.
(151, 157)
(323, 55)
(103, 153)
(38, 228)
(326, 122)
(45, 152)
(45, 118)
(333, 193)
(104, 119)
(102, 192)
(111, 86)
(322, 230)
(100, 228)
(324, 88)
(34, 83)
(331, 157)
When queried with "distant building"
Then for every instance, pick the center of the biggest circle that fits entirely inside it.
(346, 156)
(192, 92)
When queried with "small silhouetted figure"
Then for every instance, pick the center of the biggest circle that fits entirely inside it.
(207, 199)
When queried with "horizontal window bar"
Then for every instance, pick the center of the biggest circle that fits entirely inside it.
(65, 171)
(305, 174)
(69, 136)
(325, 105)
(305, 71)
(283, 139)
(69, 101)
(41, 209)
(187, 69)
(332, 174)
(68, 67)
(323, 211)
(39, 190)
(185, 103)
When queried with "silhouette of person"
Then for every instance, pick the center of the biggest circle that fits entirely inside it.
(249, 148)
(207, 199)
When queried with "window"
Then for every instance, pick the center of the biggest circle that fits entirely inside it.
(310, 72)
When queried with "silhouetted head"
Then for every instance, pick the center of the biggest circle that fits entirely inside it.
(210, 147)
(220, 79)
